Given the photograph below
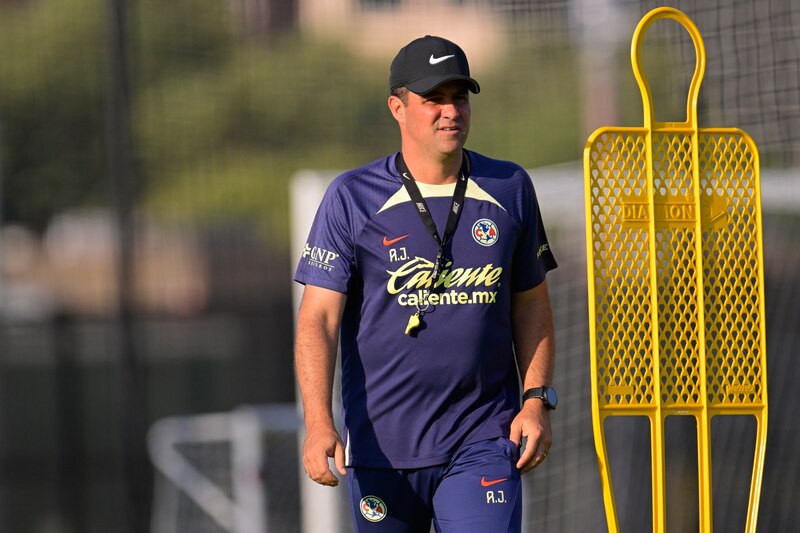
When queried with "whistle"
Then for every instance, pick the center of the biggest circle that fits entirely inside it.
(413, 323)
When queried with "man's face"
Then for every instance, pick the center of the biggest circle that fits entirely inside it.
(438, 122)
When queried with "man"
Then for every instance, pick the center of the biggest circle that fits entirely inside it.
(429, 266)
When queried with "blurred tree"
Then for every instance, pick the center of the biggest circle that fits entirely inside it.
(51, 88)
(225, 140)
(528, 111)
(222, 120)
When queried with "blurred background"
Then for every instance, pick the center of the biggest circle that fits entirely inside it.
(149, 155)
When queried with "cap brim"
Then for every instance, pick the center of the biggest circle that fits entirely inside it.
(426, 85)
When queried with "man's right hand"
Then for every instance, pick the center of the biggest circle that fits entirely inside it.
(317, 448)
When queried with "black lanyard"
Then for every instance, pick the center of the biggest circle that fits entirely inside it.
(424, 213)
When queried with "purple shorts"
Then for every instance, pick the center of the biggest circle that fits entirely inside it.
(478, 491)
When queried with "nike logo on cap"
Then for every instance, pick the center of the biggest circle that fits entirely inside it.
(437, 60)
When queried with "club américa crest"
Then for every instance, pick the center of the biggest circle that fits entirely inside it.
(485, 232)
(373, 508)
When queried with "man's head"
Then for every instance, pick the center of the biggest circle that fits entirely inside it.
(428, 62)
(430, 84)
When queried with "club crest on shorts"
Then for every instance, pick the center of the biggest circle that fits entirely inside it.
(485, 232)
(373, 508)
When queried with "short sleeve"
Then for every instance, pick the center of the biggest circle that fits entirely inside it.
(533, 257)
(328, 254)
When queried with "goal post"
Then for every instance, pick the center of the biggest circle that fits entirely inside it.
(215, 471)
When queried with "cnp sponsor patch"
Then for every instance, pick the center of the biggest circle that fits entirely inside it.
(319, 257)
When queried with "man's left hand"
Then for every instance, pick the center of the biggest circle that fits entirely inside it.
(532, 423)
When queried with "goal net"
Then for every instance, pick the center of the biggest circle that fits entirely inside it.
(752, 82)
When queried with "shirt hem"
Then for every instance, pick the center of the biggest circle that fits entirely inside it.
(322, 283)
(427, 461)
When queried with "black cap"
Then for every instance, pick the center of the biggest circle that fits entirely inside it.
(428, 62)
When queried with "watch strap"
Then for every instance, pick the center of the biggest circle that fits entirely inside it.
(536, 392)
(540, 393)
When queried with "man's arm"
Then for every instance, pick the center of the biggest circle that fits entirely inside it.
(315, 358)
(534, 345)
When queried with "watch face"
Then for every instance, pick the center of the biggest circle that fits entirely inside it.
(551, 397)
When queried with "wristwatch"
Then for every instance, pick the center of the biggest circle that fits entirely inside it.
(547, 394)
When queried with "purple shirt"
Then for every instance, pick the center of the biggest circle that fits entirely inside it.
(410, 401)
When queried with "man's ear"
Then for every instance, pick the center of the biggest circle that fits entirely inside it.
(397, 108)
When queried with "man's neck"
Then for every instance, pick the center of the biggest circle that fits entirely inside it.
(433, 171)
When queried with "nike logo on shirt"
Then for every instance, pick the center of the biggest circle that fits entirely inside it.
(388, 242)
